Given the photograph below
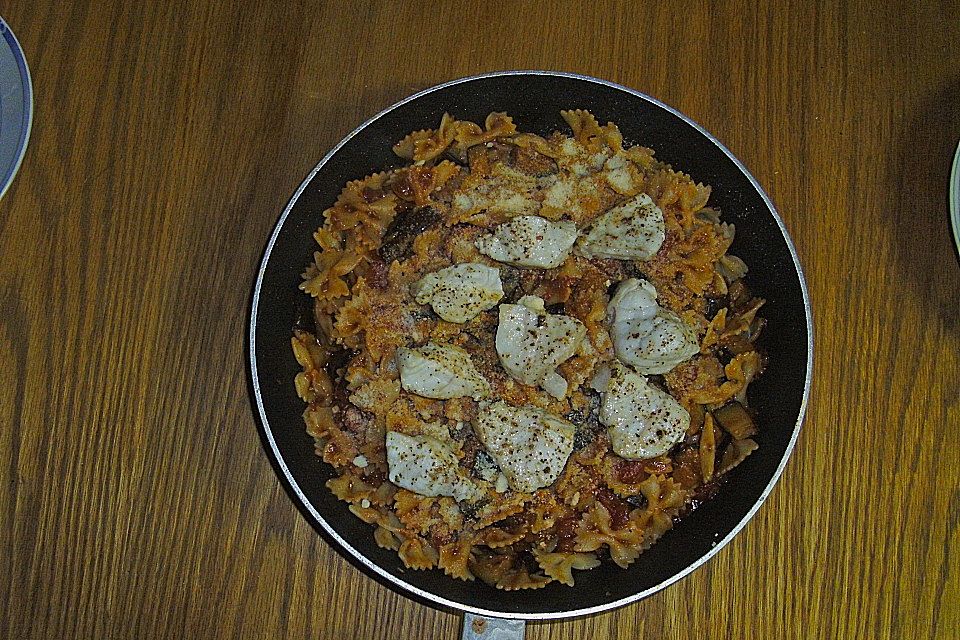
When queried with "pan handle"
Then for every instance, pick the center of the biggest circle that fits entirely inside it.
(482, 628)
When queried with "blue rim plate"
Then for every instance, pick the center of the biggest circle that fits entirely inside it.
(955, 198)
(16, 106)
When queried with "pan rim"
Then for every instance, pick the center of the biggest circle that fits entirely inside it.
(436, 598)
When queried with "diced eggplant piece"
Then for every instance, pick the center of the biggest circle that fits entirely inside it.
(406, 226)
(735, 420)
(708, 448)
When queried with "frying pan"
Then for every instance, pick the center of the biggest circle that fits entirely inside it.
(534, 100)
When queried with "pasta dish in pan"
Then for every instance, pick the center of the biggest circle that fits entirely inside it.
(528, 354)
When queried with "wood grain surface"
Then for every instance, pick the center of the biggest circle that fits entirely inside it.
(135, 498)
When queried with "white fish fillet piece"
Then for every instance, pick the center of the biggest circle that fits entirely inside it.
(646, 336)
(530, 445)
(440, 371)
(460, 292)
(633, 230)
(643, 421)
(532, 343)
(427, 466)
(530, 241)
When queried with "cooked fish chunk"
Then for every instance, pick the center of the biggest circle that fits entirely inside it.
(643, 421)
(617, 174)
(460, 292)
(440, 371)
(530, 445)
(505, 191)
(427, 466)
(633, 230)
(646, 336)
(530, 241)
(531, 343)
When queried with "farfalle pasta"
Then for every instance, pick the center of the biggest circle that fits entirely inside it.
(480, 443)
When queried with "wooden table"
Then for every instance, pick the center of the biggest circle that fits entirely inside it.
(136, 499)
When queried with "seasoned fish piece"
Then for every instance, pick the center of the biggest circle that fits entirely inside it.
(645, 335)
(530, 445)
(427, 466)
(440, 371)
(530, 241)
(643, 421)
(505, 191)
(532, 343)
(460, 292)
(633, 230)
(617, 174)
